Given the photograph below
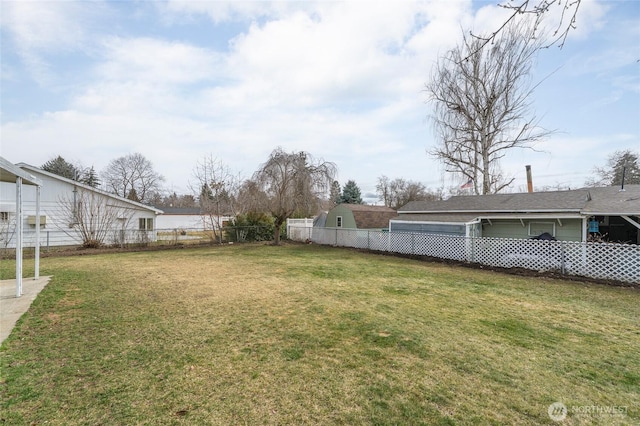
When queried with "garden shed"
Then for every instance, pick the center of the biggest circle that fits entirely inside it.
(359, 216)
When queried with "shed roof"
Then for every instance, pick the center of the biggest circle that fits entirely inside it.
(371, 217)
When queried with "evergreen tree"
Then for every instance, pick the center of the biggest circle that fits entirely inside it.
(335, 195)
(61, 167)
(90, 177)
(206, 194)
(133, 195)
(611, 175)
(351, 193)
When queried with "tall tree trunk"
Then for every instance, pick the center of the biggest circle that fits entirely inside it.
(276, 234)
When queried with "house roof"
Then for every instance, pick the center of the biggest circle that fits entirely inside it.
(611, 200)
(320, 220)
(371, 217)
(470, 217)
(36, 170)
(585, 201)
(194, 211)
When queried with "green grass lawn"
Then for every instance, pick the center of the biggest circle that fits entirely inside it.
(303, 334)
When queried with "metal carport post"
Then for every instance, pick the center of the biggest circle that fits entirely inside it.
(11, 173)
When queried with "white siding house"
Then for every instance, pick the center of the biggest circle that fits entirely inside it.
(71, 213)
(181, 218)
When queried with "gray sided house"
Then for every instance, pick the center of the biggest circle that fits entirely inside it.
(605, 213)
(359, 216)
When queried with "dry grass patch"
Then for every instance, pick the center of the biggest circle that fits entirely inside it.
(313, 335)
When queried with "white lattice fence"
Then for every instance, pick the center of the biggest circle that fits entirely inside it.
(379, 240)
(513, 253)
(620, 262)
(613, 261)
(323, 236)
(347, 238)
(441, 246)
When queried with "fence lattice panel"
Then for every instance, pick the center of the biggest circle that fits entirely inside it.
(619, 262)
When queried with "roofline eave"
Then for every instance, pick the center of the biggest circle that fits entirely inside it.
(576, 211)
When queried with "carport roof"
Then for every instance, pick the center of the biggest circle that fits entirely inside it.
(10, 173)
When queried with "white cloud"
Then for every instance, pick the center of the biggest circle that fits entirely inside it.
(40, 29)
(222, 11)
(342, 80)
(156, 61)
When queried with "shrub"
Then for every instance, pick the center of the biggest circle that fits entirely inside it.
(91, 244)
(252, 226)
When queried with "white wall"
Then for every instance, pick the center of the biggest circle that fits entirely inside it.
(57, 231)
(180, 221)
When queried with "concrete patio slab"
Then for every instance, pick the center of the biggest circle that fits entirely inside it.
(12, 307)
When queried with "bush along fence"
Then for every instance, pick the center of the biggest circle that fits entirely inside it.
(616, 262)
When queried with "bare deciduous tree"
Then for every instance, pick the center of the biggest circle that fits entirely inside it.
(292, 183)
(7, 228)
(217, 188)
(251, 197)
(133, 177)
(481, 97)
(538, 10)
(398, 192)
(93, 219)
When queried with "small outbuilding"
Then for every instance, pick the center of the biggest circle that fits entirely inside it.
(359, 216)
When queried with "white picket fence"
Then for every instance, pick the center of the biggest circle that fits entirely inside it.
(617, 262)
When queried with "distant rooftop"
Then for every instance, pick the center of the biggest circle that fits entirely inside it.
(607, 200)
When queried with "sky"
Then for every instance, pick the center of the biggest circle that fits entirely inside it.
(178, 81)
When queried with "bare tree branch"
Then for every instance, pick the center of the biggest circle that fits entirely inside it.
(92, 219)
(133, 177)
(291, 183)
(482, 97)
(538, 9)
(217, 191)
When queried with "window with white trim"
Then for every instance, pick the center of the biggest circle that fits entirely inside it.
(338, 221)
(145, 224)
(537, 228)
(4, 216)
